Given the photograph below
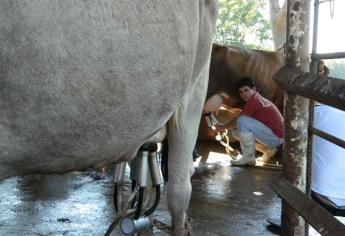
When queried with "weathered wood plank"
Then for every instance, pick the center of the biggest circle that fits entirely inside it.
(327, 90)
(313, 213)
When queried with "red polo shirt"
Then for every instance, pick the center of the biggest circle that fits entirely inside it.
(263, 110)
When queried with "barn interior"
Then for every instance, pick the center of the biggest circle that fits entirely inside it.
(226, 200)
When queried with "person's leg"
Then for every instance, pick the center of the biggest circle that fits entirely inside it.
(262, 133)
(267, 140)
(247, 142)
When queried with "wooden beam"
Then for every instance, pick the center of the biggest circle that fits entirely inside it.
(324, 89)
(324, 222)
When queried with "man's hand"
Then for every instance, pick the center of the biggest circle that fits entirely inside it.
(216, 129)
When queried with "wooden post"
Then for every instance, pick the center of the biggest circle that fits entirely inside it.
(296, 112)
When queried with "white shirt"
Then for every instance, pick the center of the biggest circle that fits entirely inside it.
(328, 166)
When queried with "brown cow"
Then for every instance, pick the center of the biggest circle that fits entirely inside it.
(228, 65)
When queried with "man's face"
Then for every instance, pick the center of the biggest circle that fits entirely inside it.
(246, 92)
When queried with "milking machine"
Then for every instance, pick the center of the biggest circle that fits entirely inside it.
(130, 216)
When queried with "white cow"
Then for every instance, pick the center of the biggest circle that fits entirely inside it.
(86, 83)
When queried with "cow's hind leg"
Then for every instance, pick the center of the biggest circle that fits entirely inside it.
(182, 134)
(179, 186)
(184, 124)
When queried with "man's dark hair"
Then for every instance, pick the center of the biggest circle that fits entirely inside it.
(245, 81)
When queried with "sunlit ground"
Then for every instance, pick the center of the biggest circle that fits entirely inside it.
(213, 158)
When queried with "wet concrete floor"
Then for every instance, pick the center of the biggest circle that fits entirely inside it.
(226, 200)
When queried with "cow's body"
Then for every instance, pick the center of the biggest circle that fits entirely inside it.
(229, 64)
(86, 83)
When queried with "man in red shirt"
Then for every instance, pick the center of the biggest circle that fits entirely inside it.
(260, 121)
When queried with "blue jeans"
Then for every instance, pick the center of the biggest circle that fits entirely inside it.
(262, 133)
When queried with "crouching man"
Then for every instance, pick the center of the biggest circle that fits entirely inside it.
(258, 127)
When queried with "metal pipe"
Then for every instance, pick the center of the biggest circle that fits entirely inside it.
(332, 55)
(313, 69)
(315, 27)
(119, 171)
(328, 137)
(154, 169)
(142, 168)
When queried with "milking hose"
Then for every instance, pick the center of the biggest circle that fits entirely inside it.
(155, 204)
(140, 203)
(115, 197)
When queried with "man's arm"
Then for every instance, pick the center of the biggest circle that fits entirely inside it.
(229, 125)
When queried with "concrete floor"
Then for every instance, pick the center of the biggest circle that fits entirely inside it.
(226, 200)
